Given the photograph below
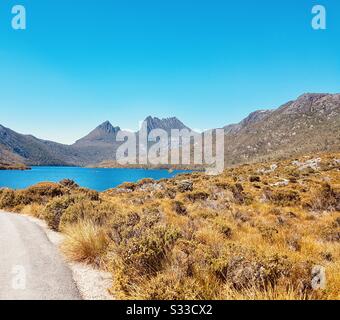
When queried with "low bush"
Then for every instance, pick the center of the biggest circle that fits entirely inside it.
(40, 193)
(69, 183)
(8, 199)
(282, 197)
(94, 211)
(197, 196)
(144, 254)
(324, 198)
(55, 209)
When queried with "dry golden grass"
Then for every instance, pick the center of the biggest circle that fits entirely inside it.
(285, 292)
(84, 242)
(253, 232)
(33, 209)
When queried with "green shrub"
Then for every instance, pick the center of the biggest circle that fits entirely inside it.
(240, 196)
(69, 183)
(45, 189)
(88, 194)
(96, 212)
(7, 198)
(144, 253)
(243, 269)
(40, 193)
(55, 209)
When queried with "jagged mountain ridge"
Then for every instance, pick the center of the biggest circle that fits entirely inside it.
(310, 123)
(166, 124)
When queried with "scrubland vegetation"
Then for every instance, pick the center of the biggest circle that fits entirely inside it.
(6, 166)
(259, 231)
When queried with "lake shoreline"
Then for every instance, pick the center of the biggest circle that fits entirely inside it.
(20, 167)
(98, 179)
(115, 165)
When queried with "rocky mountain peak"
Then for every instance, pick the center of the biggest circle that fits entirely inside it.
(165, 123)
(107, 127)
(310, 97)
(309, 103)
(105, 132)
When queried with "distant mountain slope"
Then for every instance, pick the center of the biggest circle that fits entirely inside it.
(310, 123)
(8, 157)
(33, 151)
(252, 118)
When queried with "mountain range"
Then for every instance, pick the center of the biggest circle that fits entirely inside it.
(308, 124)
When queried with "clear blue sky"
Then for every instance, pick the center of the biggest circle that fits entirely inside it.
(210, 63)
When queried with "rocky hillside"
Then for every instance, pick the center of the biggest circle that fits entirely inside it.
(309, 124)
(8, 157)
(254, 117)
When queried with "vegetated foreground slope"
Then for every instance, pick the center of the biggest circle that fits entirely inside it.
(260, 231)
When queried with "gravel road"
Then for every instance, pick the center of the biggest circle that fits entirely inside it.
(30, 265)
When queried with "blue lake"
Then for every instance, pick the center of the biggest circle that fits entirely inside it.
(92, 178)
